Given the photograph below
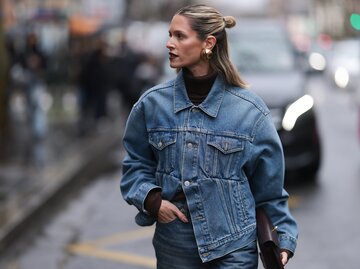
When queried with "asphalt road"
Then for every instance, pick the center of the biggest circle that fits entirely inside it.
(94, 227)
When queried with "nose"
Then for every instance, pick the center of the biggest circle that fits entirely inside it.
(169, 44)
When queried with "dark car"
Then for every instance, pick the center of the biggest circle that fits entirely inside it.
(262, 52)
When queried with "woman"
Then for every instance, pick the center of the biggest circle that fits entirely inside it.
(203, 153)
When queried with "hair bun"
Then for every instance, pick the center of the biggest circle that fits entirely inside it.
(229, 21)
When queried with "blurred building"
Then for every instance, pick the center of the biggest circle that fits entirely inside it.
(323, 16)
(58, 22)
(332, 16)
(329, 16)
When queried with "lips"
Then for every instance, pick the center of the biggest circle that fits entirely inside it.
(172, 55)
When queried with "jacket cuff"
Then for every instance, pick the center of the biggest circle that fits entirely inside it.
(288, 243)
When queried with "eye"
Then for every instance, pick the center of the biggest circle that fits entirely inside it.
(180, 36)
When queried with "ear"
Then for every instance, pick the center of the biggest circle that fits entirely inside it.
(210, 42)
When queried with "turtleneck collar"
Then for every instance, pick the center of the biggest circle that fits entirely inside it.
(198, 87)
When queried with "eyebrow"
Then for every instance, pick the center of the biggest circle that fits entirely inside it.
(177, 32)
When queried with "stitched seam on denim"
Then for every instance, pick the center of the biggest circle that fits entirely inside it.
(229, 238)
(257, 126)
(166, 85)
(262, 109)
(202, 131)
(287, 237)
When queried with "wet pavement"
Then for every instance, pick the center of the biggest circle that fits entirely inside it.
(34, 172)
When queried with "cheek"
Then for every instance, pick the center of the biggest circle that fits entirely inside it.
(192, 52)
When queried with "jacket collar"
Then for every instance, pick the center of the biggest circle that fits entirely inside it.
(210, 105)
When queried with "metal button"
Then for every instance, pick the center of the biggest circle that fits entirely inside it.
(187, 183)
(226, 146)
(160, 144)
(189, 145)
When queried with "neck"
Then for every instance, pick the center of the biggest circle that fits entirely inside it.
(200, 71)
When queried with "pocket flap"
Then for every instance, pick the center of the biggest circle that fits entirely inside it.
(161, 140)
(225, 144)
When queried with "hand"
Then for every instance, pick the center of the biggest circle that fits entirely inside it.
(168, 212)
(284, 255)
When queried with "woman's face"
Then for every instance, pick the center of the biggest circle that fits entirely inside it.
(185, 47)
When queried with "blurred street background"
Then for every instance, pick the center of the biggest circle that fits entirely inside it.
(70, 72)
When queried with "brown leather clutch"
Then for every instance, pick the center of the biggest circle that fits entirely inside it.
(268, 241)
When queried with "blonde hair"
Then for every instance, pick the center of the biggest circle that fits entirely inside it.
(207, 21)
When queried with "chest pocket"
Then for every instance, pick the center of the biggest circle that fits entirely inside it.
(223, 156)
(163, 143)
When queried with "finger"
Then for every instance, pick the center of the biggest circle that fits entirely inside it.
(284, 257)
(181, 215)
(177, 212)
(168, 212)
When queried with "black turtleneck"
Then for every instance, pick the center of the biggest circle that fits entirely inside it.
(198, 87)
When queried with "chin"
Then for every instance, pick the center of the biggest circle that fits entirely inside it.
(174, 65)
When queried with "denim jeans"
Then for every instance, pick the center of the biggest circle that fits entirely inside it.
(176, 248)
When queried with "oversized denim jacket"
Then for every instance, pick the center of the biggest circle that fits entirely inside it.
(225, 154)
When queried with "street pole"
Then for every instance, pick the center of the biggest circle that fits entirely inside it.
(3, 86)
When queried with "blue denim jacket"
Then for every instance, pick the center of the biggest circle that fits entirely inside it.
(225, 154)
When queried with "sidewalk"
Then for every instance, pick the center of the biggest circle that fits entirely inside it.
(36, 174)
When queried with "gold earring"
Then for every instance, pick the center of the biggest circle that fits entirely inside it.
(207, 54)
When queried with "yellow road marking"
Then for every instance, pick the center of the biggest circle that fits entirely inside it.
(123, 237)
(124, 257)
(95, 248)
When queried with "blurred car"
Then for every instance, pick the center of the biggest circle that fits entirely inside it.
(264, 55)
(344, 64)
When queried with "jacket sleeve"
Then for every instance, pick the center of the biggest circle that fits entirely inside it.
(267, 181)
(139, 165)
